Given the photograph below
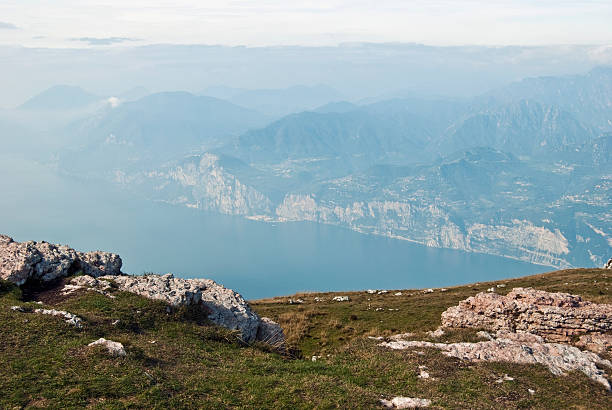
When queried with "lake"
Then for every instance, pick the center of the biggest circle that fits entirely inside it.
(257, 259)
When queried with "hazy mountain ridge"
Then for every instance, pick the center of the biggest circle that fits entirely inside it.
(517, 177)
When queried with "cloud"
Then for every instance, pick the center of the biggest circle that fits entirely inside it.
(104, 41)
(7, 26)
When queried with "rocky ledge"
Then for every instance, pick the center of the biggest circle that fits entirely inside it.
(44, 262)
(556, 317)
(530, 327)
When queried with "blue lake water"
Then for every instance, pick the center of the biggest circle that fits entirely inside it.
(255, 258)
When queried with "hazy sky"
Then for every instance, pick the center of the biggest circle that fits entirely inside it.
(104, 23)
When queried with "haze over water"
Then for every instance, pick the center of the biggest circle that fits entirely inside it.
(257, 259)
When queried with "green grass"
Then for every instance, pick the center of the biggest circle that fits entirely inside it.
(45, 362)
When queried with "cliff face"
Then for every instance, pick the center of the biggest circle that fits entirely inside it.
(505, 214)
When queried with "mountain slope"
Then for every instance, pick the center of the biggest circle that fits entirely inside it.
(156, 128)
(522, 128)
(60, 97)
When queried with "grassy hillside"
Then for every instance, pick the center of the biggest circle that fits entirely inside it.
(178, 360)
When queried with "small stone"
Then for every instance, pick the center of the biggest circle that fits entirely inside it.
(439, 332)
(405, 403)
(114, 348)
(531, 391)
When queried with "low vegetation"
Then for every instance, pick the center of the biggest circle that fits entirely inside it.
(176, 359)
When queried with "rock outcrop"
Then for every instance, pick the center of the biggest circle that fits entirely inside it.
(514, 348)
(557, 317)
(608, 264)
(224, 306)
(45, 262)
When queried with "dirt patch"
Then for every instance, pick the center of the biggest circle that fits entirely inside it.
(50, 293)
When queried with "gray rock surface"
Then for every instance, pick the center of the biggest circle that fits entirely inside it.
(68, 317)
(45, 262)
(554, 316)
(270, 332)
(558, 358)
(224, 306)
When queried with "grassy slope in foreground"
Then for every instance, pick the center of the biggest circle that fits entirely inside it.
(178, 360)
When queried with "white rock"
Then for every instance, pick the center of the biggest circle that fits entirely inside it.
(405, 403)
(397, 294)
(17, 309)
(439, 332)
(559, 358)
(114, 348)
(70, 318)
(341, 299)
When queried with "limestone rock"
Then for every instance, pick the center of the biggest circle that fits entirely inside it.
(224, 306)
(270, 332)
(558, 358)
(340, 299)
(45, 262)
(595, 342)
(114, 348)
(99, 263)
(405, 403)
(554, 316)
(70, 318)
(88, 283)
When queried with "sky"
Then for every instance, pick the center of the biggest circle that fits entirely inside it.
(116, 23)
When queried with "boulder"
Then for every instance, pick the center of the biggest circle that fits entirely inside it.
(554, 316)
(46, 262)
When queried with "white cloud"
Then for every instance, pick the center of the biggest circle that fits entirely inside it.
(312, 22)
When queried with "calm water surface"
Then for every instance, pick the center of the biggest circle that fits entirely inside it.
(255, 258)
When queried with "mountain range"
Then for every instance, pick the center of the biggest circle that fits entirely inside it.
(523, 171)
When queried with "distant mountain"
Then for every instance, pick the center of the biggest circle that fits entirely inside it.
(522, 128)
(588, 97)
(358, 137)
(277, 102)
(60, 97)
(339, 107)
(156, 128)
